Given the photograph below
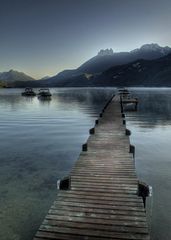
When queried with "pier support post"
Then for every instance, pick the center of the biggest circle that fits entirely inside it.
(132, 149)
(92, 131)
(127, 132)
(136, 106)
(84, 147)
(64, 184)
(143, 191)
(121, 107)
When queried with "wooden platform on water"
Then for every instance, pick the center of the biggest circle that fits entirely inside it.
(102, 201)
(129, 100)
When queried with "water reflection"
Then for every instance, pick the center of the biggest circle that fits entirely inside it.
(151, 134)
(76, 97)
(154, 108)
(45, 100)
(40, 141)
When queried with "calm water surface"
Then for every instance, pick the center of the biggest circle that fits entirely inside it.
(39, 143)
(151, 134)
(41, 140)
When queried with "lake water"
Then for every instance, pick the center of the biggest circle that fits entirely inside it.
(151, 135)
(41, 140)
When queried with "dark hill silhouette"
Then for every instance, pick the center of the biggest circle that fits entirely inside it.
(139, 73)
(106, 59)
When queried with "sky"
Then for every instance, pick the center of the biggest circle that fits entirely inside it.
(44, 37)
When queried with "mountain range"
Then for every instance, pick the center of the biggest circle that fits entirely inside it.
(149, 65)
(106, 59)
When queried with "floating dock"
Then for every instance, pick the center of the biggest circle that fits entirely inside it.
(101, 201)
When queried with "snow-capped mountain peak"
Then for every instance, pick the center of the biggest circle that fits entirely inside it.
(154, 47)
(104, 52)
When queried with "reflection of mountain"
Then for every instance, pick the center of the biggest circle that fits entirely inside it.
(71, 98)
(15, 101)
(90, 98)
(154, 108)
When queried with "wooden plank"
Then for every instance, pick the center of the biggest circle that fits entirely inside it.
(104, 190)
(96, 233)
(98, 220)
(116, 179)
(95, 226)
(115, 216)
(115, 211)
(97, 206)
(105, 187)
(104, 182)
(102, 175)
(42, 235)
(118, 202)
(92, 195)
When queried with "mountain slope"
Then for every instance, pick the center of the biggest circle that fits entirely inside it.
(107, 58)
(12, 76)
(139, 73)
(146, 73)
(101, 62)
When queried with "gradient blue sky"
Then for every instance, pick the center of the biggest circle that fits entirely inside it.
(43, 37)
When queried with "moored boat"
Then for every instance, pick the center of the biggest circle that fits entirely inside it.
(28, 92)
(44, 93)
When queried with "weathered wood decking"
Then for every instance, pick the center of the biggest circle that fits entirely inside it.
(102, 202)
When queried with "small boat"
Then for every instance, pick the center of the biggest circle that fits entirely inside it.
(44, 93)
(28, 92)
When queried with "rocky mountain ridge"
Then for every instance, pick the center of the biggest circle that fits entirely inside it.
(148, 65)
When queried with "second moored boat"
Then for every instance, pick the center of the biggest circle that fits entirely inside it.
(44, 93)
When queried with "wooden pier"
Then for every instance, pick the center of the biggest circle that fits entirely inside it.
(126, 99)
(101, 201)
